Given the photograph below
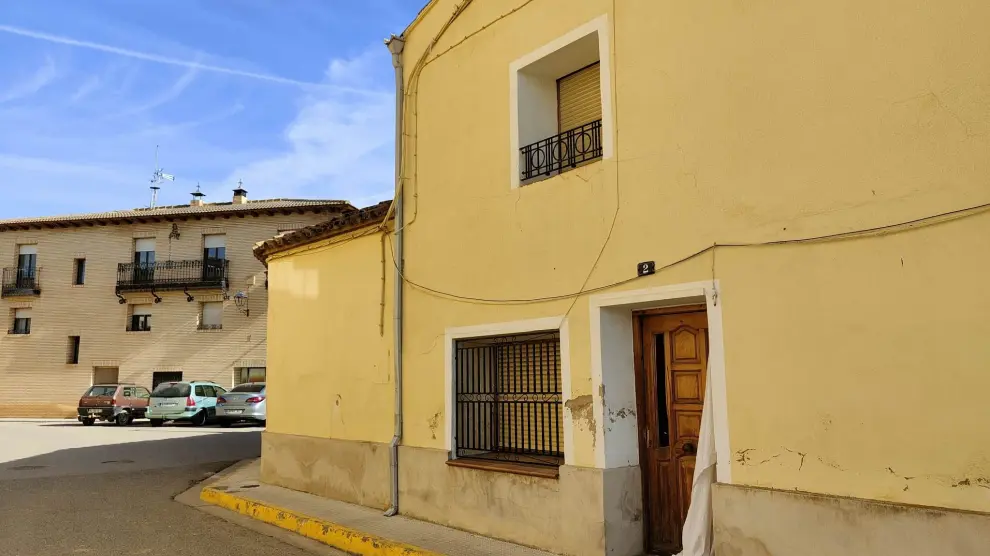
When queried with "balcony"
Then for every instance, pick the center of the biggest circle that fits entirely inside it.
(561, 152)
(172, 276)
(20, 281)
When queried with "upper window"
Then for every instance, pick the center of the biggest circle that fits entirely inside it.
(211, 317)
(22, 322)
(214, 247)
(72, 353)
(79, 272)
(508, 399)
(23, 278)
(561, 112)
(144, 260)
(140, 318)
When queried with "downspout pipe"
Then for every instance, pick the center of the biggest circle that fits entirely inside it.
(395, 45)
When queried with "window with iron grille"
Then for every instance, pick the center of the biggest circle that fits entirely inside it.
(508, 399)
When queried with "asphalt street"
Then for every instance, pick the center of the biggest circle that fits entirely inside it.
(70, 490)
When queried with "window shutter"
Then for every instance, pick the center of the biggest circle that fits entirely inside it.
(214, 241)
(579, 98)
(22, 313)
(213, 313)
(145, 244)
(27, 250)
(138, 310)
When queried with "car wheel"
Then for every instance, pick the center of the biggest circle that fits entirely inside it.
(88, 422)
(199, 419)
(226, 424)
(122, 419)
(157, 422)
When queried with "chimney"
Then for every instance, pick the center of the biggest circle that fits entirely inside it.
(240, 194)
(197, 200)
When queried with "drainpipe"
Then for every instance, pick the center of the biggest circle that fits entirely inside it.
(395, 45)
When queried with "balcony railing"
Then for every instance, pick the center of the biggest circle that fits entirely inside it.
(138, 327)
(202, 326)
(20, 281)
(172, 275)
(566, 150)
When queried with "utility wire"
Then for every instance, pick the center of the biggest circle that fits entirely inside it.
(889, 228)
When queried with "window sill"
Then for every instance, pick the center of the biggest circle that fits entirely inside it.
(507, 467)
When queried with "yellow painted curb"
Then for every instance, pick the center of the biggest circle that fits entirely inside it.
(326, 532)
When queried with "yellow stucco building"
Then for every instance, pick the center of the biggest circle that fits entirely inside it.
(608, 206)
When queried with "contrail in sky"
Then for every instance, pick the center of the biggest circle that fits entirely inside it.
(149, 57)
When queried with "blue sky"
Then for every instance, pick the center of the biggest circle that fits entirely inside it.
(295, 97)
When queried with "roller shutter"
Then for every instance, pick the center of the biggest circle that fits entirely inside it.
(579, 98)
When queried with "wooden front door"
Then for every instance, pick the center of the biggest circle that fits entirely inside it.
(671, 361)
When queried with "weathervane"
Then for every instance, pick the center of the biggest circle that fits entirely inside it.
(156, 178)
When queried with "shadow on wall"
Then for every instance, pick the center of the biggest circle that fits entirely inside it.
(168, 451)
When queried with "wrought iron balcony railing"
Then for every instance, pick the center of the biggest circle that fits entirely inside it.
(172, 275)
(20, 281)
(562, 151)
(202, 326)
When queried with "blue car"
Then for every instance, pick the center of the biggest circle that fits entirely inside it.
(194, 401)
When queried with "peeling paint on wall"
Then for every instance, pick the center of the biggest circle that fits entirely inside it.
(582, 409)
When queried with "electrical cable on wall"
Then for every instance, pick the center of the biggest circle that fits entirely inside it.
(864, 232)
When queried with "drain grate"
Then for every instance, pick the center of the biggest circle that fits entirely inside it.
(118, 461)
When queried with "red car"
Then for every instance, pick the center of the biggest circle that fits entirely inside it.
(120, 403)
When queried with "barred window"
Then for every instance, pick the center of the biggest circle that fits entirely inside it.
(508, 398)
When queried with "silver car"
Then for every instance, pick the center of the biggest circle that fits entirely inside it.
(244, 402)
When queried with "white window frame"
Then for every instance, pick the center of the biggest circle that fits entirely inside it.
(597, 26)
(451, 335)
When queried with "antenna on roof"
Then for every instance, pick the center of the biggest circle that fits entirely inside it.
(156, 178)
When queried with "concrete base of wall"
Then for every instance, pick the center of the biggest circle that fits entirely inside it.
(349, 471)
(761, 522)
(586, 512)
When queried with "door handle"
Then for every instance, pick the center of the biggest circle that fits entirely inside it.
(689, 449)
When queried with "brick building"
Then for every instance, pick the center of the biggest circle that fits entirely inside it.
(140, 296)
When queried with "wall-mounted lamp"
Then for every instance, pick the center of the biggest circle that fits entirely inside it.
(241, 302)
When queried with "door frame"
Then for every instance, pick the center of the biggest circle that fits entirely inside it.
(642, 399)
(613, 375)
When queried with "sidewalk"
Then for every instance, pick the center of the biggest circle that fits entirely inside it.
(353, 529)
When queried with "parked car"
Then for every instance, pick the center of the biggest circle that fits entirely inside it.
(245, 402)
(194, 401)
(120, 403)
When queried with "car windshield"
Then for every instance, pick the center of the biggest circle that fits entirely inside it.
(250, 388)
(171, 390)
(101, 391)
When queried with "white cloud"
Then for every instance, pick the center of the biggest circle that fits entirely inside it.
(170, 94)
(89, 86)
(42, 77)
(338, 146)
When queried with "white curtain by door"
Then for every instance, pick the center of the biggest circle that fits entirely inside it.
(697, 534)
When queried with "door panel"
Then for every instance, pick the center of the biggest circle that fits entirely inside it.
(672, 354)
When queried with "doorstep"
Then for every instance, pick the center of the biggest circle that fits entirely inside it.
(348, 527)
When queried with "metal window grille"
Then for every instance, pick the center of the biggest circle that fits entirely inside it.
(172, 275)
(562, 151)
(508, 399)
(20, 281)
